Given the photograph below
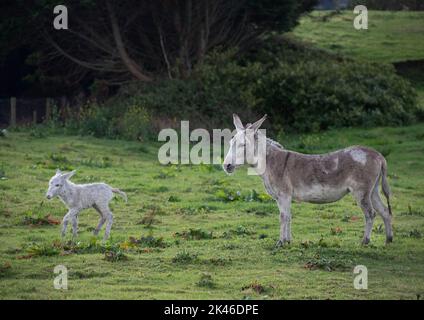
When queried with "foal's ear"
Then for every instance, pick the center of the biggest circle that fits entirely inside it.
(237, 122)
(69, 174)
(258, 123)
(58, 171)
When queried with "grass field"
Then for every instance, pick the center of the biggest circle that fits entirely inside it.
(391, 36)
(192, 232)
(395, 37)
(198, 233)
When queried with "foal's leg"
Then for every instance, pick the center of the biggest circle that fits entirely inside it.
(285, 220)
(364, 201)
(74, 218)
(66, 219)
(101, 221)
(65, 222)
(109, 218)
(383, 212)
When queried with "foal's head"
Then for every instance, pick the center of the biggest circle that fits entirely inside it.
(57, 182)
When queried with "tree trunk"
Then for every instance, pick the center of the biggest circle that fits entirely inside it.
(133, 67)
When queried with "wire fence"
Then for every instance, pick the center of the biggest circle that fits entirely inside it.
(23, 111)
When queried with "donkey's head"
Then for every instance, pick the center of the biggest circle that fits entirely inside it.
(242, 142)
(57, 182)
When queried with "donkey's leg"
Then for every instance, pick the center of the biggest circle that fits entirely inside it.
(101, 221)
(284, 203)
(383, 212)
(74, 218)
(65, 222)
(68, 217)
(109, 218)
(364, 201)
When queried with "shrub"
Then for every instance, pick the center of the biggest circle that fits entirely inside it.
(206, 280)
(39, 250)
(184, 257)
(195, 234)
(135, 124)
(327, 263)
(300, 87)
(148, 241)
(5, 269)
(255, 286)
(114, 255)
(122, 118)
(311, 96)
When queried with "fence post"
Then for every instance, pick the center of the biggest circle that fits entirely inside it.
(13, 111)
(48, 109)
(34, 117)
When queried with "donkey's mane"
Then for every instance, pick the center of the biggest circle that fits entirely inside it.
(274, 143)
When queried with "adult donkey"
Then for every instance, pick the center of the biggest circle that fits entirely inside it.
(321, 178)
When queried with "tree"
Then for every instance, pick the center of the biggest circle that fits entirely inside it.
(119, 41)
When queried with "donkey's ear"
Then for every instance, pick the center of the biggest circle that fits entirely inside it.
(237, 122)
(69, 174)
(258, 123)
(58, 171)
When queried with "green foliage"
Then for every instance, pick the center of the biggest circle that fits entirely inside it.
(238, 231)
(115, 254)
(5, 269)
(38, 250)
(312, 96)
(319, 261)
(392, 36)
(391, 5)
(229, 195)
(242, 249)
(104, 162)
(184, 257)
(173, 198)
(39, 219)
(148, 241)
(195, 234)
(206, 280)
(256, 287)
(115, 119)
(301, 88)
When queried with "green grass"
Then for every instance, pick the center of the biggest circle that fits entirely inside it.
(391, 36)
(208, 244)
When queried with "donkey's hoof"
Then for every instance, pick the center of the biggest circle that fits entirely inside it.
(365, 241)
(281, 243)
(389, 240)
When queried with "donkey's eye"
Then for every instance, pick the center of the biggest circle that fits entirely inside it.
(58, 185)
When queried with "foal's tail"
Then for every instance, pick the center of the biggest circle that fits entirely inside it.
(121, 193)
(385, 184)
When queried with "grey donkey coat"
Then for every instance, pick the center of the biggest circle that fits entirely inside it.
(321, 178)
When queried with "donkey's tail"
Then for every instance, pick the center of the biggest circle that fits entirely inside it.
(385, 184)
(121, 193)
